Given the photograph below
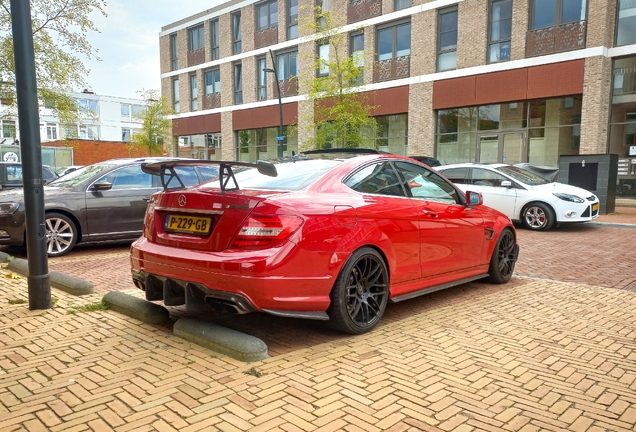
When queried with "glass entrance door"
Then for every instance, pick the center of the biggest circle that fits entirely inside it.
(503, 147)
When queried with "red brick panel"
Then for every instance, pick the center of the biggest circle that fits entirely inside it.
(390, 101)
(207, 123)
(87, 152)
(454, 92)
(504, 86)
(559, 79)
(263, 117)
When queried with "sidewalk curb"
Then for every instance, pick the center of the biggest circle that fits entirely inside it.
(239, 346)
(67, 283)
(137, 308)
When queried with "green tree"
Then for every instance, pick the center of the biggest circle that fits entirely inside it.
(155, 124)
(60, 28)
(342, 114)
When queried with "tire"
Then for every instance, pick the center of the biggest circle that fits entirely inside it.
(538, 217)
(360, 293)
(61, 234)
(503, 259)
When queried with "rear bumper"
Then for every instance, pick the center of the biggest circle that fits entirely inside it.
(277, 281)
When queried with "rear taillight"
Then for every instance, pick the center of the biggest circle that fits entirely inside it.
(264, 231)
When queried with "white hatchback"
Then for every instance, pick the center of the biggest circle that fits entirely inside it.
(524, 196)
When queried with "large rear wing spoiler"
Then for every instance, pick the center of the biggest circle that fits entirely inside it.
(166, 171)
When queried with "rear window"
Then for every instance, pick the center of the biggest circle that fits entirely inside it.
(292, 176)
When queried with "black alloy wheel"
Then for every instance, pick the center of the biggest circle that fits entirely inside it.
(504, 257)
(360, 294)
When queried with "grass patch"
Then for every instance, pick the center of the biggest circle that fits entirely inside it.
(53, 301)
(254, 372)
(17, 301)
(91, 307)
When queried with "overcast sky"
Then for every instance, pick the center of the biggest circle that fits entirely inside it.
(128, 43)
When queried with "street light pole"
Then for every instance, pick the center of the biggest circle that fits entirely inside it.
(280, 138)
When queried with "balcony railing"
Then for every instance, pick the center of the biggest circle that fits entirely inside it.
(212, 100)
(196, 57)
(359, 10)
(393, 68)
(266, 37)
(555, 39)
(288, 87)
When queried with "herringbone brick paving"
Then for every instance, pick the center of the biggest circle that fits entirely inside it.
(535, 354)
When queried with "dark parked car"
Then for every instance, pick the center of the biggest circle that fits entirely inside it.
(428, 160)
(104, 201)
(11, 175)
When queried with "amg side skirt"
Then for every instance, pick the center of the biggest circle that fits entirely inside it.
(432, 289)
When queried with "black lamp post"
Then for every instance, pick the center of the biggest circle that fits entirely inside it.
(280, 136)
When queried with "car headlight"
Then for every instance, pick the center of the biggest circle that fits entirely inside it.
(569, 198)
(8, 208)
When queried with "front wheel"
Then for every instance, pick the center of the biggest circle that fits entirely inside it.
(61, 234)
(538, 217)
(360, 294)
(504, 257)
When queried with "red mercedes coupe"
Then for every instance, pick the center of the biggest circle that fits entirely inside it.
(326, 235)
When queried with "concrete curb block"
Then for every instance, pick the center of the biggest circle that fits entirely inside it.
(232, 343)
(67, 283)
(137, 308)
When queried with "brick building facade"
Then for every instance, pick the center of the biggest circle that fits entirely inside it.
(469, 80)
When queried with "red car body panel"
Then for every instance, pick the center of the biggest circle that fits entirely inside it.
(425, 243)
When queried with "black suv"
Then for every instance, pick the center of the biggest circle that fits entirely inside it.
(11, 175)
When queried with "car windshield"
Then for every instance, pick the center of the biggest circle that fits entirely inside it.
(522, 175)
(291, 176)
(82, 174)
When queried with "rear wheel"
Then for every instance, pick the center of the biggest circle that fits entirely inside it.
(538, 217)
(61, 234)
(504, 257)
(360, 294)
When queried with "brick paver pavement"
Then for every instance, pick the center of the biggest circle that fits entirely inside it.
(534, 354)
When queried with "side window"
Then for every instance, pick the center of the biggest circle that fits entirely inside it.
(130, 177)
(457, 175)
(378, 178)
(482, 177)
(427, 184)
(14, 174)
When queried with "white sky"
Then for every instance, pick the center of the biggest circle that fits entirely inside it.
(128, 43)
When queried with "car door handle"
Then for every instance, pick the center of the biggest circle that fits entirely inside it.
(429, 213)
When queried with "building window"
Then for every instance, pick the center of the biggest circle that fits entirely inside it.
(323, 59)
(194, 101)
(236, 33)
(175, 95)
(261, 144)
(125, 134)
(626, 23)
(138, 110)
(125, 110)
(292, 19)
(356, 45)
(261, 84)
(500, 30)
(195, 38)
(87, 105)
(548, 13)
(174, 61)
(322, 9)
(266, 15)
(402, 4)
(214, 38)
(287, 65)
(238, 83)
(51, 131)
(447, 39)
(394, 41)
(212, 81)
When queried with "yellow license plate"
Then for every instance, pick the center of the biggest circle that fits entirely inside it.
(595, 207)
(188, 224)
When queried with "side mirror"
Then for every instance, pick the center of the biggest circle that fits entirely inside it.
(506, 183)
(474, 198)
(102, 186)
